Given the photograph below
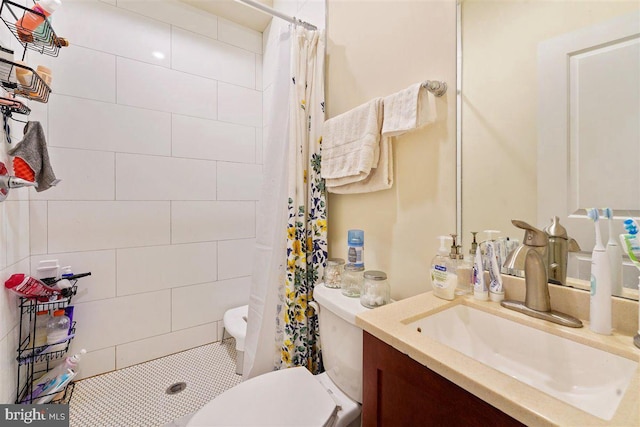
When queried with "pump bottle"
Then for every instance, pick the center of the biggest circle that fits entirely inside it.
(443, 280)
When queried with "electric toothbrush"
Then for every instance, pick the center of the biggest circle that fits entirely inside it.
(615, 255)
(600, 307)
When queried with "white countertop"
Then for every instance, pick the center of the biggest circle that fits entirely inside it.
(519, 400)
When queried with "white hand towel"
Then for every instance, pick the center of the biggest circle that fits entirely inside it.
(408, 109)
(380, 178)
(351, 144)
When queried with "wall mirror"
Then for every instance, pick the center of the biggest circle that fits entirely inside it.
(550, 123)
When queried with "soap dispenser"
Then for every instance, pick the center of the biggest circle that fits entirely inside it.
(474, 245)
(454, 254)
(442, 279)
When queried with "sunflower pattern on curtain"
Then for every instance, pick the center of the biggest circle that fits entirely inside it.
(307, 207)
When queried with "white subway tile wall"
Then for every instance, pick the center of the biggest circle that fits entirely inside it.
(211, 58)
(105, 126)
(77, 75)
(151, 348)
(232, 255)
(200, 304)
(134, 134)
(239, 105)
(86, 175)
(156, 131)
(196, 138)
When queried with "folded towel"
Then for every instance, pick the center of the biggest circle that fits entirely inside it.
(380, 178)
(408, 109)
(350, 144)
(33, 151)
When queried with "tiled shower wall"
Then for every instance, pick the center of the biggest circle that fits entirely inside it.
(154, 127)
(14, 246)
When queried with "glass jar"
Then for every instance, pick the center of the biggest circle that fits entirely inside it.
(376, 290)
(352, 280)
(333, 273)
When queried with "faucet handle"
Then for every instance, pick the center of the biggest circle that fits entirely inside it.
(573, 245)
(532, 236)
(555, 229)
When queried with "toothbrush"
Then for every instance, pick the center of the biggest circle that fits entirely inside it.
(631, 246)
(630, 243)
(600, 307)
(615, 255)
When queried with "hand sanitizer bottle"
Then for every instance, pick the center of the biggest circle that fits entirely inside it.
(443, 279)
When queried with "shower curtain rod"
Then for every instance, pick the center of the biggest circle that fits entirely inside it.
(278, 14)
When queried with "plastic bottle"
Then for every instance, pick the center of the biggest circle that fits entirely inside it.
(31, 21)
(57, 330)
(40, 335)
(30, 287)
(442, 279)
(464, 271)
(44, 382)
(64, 282)
(355, 242)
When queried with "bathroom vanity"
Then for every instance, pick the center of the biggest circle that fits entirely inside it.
(398, 391)
(413, 376)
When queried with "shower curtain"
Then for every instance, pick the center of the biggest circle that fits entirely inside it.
(307, 207)
(291, 246)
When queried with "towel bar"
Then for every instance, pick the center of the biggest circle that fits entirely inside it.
(435, 87)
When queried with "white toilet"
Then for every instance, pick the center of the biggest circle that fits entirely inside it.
(235, 323)
(294, 397)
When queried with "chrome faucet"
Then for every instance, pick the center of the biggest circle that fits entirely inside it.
(530, 257)
(560, 244)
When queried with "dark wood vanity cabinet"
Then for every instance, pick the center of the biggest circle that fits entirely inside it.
(399, 392)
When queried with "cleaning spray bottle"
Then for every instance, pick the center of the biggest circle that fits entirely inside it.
(443, 280)
(600, 307)
(615, 255)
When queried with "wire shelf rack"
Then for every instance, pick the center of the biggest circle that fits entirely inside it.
(23, 81)
(42, 39)
(12, 105)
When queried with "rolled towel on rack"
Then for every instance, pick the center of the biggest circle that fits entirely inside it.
(408, 109)
(351, 144)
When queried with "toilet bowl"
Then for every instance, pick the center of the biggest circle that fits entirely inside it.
(294, 397)
(235, 324)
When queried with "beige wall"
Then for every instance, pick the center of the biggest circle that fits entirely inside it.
(376, 48)
(500, 101)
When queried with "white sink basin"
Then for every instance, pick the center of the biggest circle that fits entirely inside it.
(589, 379)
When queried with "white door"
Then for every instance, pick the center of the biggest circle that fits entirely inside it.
(589, 132)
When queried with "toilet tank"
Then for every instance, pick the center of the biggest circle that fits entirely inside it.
(341, 339)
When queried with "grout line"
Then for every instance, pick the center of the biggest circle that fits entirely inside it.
(115, 178)
(115, 78)
(165, 112)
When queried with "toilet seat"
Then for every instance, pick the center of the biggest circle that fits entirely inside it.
(289, 397)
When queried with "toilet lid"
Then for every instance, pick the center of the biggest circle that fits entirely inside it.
(289, 397)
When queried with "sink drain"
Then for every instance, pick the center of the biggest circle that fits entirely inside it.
(176, 388)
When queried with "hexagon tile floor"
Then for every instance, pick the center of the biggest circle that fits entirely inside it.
(136, 396)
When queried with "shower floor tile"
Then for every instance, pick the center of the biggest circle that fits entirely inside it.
(136, 396)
